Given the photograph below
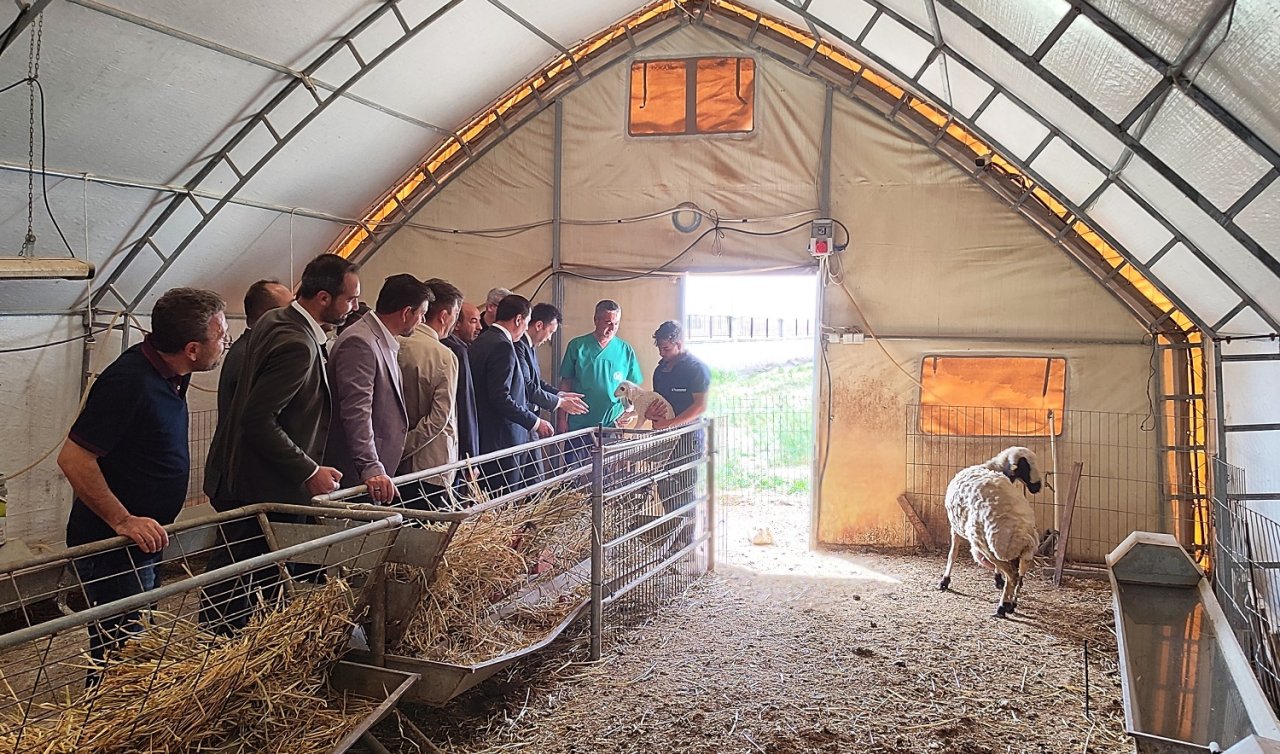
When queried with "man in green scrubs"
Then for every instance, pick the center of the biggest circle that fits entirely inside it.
(593, 365)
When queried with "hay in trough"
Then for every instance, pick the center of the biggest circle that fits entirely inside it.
(174, 688)
(509, 575)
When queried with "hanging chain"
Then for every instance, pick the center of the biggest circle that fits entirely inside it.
(33, 70)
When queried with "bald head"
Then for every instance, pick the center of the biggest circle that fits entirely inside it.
(262, 297)
(468, 326)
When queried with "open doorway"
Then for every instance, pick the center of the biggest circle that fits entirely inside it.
(756, 333)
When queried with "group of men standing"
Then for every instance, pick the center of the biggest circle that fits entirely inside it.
(422, 380)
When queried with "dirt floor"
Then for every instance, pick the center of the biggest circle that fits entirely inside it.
(792, 651)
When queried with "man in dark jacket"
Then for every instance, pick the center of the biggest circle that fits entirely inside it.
(262, 297)
(502, 403)
(464, 334)
(544, 320)
(271, 446)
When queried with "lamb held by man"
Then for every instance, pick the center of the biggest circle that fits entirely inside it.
(986, 506)
(638, 400)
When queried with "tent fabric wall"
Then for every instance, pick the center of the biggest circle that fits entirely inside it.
(932, 256)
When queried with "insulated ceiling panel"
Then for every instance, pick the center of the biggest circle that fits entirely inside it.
(288, 32)
(450, 71)
(1192, 282)
(953, 84)
(1010, 125)
(849, 17)
(1068, 171)
(1027, 86)
(1261, 218)
(783, 11)
(1140, 233)
(1203, 151)
(1242, 75)
(899, 45)
(1211, 238)
(1093, 63)
(1025, 23)
(914, 11)
(1251, 397)
(1247, 322)
(570, 22)
(1164, 26)
(342, 161)
(122, 100)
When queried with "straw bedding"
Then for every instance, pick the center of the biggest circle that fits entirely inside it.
(507, 577)
(177, 690)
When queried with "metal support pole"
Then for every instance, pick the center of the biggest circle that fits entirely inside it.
(597, 546)
(1053, 461)
(819, 355)
(557, 212)
(711, 495)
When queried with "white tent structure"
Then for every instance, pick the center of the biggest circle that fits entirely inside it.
(1087, 179)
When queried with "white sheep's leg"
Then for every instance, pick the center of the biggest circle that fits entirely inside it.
(1008, 593)
(1024, 565)
(951, 559)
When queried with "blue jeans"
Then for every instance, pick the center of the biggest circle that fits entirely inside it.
(111, 576)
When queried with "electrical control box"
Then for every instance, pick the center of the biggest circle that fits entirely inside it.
(822, 237)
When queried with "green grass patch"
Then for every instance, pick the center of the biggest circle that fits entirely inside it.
(764, 428)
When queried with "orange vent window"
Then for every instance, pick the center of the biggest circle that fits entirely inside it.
(722, 101)
(979, 396)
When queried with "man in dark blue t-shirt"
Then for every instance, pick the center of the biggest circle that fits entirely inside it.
(680, 377)
(684, 381)
(126, 455)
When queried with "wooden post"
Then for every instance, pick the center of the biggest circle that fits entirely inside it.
(922, 532)
(1073, 489)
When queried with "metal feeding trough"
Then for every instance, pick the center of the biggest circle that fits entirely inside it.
(382, 685)
(1186, 682)
(443, 681)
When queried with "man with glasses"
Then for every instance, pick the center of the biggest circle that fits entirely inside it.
(126, 456)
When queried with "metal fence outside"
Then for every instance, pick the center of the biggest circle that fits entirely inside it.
(1246, 574)
(200, 426)
(1108, 474)
(764, 458)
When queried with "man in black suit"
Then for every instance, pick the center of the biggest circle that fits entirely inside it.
(464, 334)
(544, 320)
(271, 446)
(502, 403)
(262, 297)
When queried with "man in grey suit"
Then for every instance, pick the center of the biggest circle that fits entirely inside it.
(367, 440)
(271, 446)
(262, 297)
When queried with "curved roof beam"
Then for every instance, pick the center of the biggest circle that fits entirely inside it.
(1022, 190)
(913, 79)
(184, 217)
(1170, 76)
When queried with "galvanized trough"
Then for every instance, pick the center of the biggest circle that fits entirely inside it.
(441, 682)
(1187, 684)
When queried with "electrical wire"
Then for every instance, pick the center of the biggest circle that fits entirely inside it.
(717, 230)
(514, 230)
(44, 170)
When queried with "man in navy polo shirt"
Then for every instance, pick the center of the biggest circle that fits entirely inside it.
(126, 456)
(684, 381)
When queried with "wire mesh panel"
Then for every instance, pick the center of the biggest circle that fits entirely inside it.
(165, 653)
(653, 520)
(764, 445)
(1105, 471)
(1246, 574)
(200, 427)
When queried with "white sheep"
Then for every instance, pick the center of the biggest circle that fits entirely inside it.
(634, 396)
(987, 508)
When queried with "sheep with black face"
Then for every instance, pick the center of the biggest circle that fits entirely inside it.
(986, 507)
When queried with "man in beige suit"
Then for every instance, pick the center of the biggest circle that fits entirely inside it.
(430, 377)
